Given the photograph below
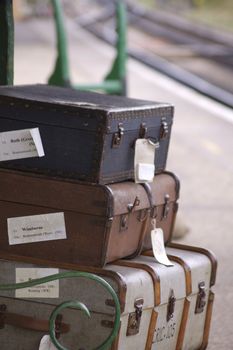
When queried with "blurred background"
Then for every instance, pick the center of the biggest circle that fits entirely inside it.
(178, 51)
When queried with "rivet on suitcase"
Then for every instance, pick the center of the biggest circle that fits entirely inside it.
(87, 224)
(162, 307)
(84, 135)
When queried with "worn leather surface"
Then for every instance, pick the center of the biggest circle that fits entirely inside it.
(78, 128)
(71, 97)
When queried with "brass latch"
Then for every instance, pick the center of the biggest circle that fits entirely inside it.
(171, 306)
(163, 129)
(201, 298)
(117, 136)
(135, 318)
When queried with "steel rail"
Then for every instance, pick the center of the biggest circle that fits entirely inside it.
(169, 69)
(203, 48)
(183, 25)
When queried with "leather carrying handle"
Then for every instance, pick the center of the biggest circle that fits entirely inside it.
(153, 208)
(30, 323)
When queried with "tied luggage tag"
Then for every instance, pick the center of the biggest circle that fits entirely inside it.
(158, 245)
(144, 157)
(46, 343)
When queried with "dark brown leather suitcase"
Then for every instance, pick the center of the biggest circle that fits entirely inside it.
(86, 224)
(85, 136)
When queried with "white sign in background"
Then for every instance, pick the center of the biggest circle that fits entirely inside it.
(45, 290)
(36, 228)
(20, 144)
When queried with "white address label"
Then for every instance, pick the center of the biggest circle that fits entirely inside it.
(36, 228)
(158, 247)
(20, 144)
(45, 290)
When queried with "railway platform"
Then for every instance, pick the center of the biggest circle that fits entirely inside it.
(200, 151)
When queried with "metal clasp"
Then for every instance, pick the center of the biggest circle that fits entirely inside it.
(135, 318)
(142, 131)
(171, 306)
(154, 212)
(124, 219)
(201, 298)
(166, 206)
(131, 206)
(124, 222)
(117, 137)
(163, 129)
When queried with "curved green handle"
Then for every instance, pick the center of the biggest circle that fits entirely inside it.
(106, 344)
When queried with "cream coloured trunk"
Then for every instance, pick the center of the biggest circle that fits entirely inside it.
(163, 308)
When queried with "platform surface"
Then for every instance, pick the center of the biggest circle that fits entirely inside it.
(201, 149)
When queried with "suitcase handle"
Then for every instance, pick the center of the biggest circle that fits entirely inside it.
(31, 323)
(153, 208)
(74, 304)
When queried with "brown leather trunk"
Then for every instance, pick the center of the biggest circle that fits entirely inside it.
(103, 223)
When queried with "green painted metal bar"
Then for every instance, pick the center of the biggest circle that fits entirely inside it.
(61, 73)
(6, 43)
(115, 80)
(71, 274)
(118, 71)
(108, 86)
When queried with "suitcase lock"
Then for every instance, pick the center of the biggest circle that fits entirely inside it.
(163, 129)
(135, 318)
(201, 298)
(117, 136)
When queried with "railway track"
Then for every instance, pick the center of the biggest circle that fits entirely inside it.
(196, 56)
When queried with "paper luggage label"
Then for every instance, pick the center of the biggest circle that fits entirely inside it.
(45, 290)
(158, 247)
(20, 144)
(46, 343)
(36, 228)
(144, 157)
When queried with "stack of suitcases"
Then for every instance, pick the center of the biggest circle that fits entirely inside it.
(83, 187)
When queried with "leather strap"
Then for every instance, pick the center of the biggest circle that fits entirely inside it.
(151, 331)
(28, 322)
(150, 271)
(148, 190)
(207, 321)
(206, 252)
